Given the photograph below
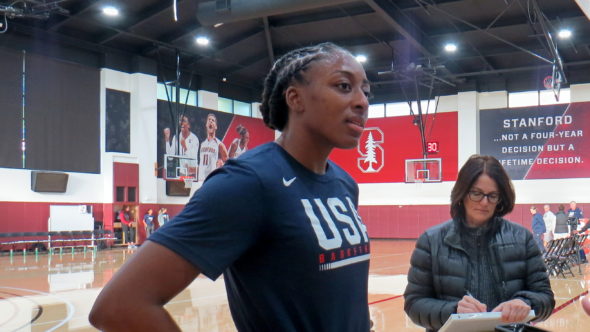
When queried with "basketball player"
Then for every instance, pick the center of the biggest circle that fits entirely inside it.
(213, 153)
(280, 222)
(239, 145)
(189, 143)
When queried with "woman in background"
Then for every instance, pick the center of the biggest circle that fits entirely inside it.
(561, 225)
(239, 145)
(478, 261)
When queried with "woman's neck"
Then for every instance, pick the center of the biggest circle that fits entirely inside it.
(304, 152)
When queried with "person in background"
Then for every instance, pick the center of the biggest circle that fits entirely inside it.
(188, 145)
(293, 250)
(163, 216)
(148, 220)
(478, 261)
(127, 226)
(574, 214)
(561, 226)
(549, 219)
(538, 227)
(213, 153)
(239, 145)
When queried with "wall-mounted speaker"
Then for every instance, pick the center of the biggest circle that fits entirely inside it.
(49, 182)
(176, 188)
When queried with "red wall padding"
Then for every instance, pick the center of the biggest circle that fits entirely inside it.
(409, 221)
(383, 221)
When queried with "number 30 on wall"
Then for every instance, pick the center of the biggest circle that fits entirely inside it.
(432, 147)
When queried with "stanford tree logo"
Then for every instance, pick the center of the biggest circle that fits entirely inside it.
(372, 154)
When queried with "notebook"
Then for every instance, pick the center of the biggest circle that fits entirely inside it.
(477, 322)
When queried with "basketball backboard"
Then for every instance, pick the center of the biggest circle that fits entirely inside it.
(423, 170)
(179, 167)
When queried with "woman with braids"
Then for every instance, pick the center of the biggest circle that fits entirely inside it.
(478, 261)
(239, 145)
(293, 251)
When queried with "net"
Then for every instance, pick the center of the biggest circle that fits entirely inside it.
(423, 170)
(188, 182)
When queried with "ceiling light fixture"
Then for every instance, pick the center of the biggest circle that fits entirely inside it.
(217, 25)
(451, 47)
(110, 11)
(361, 58)
(564, 33)
(203, 41)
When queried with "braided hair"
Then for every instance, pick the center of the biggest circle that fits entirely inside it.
(285, 71)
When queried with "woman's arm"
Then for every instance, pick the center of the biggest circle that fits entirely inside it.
(232, 149)
(421, 303)
(133, 300)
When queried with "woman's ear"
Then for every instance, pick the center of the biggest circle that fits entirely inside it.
(293, 99)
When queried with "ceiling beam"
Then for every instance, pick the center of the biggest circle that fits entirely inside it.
(393, 16)
(180, 32)
(267, 36)
(152, 11)
(500, 71)
(79, 8)
(221, 46)
(456, 18)
(240, 10)
(245, 64)
(503, 23)
(326, 14)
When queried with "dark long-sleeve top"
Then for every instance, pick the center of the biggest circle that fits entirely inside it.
(538, 224)
(441, 271)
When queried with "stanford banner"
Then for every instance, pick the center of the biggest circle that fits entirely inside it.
(541, 142)
(388, 142)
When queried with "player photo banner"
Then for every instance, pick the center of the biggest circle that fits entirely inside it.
(541, 142)
(208, 137)
(386, 143)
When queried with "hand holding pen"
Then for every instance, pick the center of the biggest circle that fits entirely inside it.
(469, 304)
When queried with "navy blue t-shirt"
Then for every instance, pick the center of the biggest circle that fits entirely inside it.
(290, 243)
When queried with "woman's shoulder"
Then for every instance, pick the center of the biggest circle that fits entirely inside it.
(511, 226)
(264, 161)
(440, 229)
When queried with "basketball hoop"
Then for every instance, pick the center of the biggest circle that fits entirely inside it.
(423, 170)
(548, 82)
(188, 182)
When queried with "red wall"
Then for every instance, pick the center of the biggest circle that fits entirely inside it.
(33, 216)
(395, 139)
(391, 221)
(409, 221)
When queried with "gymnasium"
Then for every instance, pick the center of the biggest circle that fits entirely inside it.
(94, 94)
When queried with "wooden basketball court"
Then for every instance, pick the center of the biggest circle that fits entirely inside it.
(55, 293)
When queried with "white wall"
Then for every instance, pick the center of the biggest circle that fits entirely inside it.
(16, 187)
(83, 188)
(467, 105)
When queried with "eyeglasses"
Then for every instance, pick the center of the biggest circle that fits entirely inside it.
(477, 196)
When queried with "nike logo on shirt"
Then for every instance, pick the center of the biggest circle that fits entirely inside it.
(287, 183)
